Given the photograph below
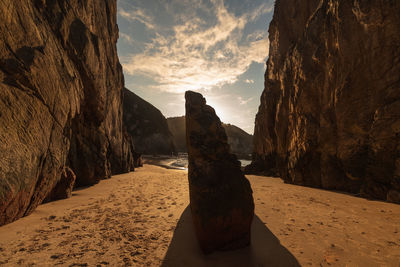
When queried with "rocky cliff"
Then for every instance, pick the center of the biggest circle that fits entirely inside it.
(60, 99)
(330, 112)
(147, 126)
(240, 142)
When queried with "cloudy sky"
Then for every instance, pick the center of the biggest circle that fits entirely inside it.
(214, 47)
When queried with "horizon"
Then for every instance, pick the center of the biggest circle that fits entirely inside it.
(216, 48)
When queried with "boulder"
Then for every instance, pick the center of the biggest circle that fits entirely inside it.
(221, 198)
(138, 160)
(63, 188)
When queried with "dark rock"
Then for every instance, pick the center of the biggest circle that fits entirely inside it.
(138, 160)
(63, 188)
(329, 114)
(147, 126)
(241, 143)
(220, 196)
(60, 99)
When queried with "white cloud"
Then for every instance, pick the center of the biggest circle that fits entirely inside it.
(127, 38)
(138, 15)
(197, 57)
(248, 81)
(244, 101)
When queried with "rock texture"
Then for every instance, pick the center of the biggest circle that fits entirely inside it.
(60, 99)
(220, 196)
(147, 126)
(63, 188)
(330, 112)
(241, 143)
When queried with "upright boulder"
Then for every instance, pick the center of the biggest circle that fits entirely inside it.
(220, 196)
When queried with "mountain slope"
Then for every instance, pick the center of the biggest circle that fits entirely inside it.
(147, 126)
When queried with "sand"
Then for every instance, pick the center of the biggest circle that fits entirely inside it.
(142, 219)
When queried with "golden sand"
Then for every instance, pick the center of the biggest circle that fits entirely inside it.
(143, 219)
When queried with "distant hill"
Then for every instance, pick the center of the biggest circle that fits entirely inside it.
(147, 126)
(177, 126)
(241, 142)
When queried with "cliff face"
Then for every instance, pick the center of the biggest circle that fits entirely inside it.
(60, 99)
(241, 143)
(147, 126)
(330, 112)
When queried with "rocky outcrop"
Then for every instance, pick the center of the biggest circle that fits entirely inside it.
(60, 99)
(241, 143)
(63, 188)
(220, 196)
(147, 126)
(330, 112)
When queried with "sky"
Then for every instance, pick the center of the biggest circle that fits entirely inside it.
(215, 47)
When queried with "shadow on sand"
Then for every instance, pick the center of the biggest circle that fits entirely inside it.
(265, 248)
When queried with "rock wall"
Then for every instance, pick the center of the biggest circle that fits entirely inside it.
(330, 112)
(147, 126)
(60, 99)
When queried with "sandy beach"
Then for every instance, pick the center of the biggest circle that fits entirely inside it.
(143, 219)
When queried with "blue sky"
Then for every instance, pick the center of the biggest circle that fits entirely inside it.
(214, 47)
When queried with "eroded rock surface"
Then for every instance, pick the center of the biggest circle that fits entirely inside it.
(60, 99)
(330, 112)
(63, 188)
(220, 196)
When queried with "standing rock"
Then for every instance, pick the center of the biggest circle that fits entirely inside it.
(63, 188)
(220, 196)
